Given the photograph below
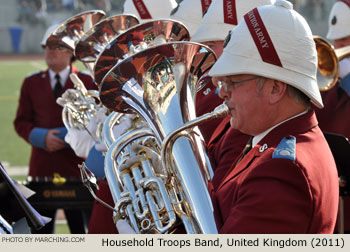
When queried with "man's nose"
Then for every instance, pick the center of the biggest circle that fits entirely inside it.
(222, 93)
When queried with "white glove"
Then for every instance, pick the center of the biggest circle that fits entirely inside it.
(118, 130)
(65, 97)
(344, 67)
(92, 127)
(101, 114)
(80, 141)
(124, 227)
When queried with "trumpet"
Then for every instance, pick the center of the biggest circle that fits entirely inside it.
(328, 62)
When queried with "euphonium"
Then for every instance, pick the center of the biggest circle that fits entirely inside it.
(137, 38)
(328, 62)
(158, 175)
(113, 39)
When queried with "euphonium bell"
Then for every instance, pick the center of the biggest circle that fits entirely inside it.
(328, 62)
(136, 39)
(153, 192)
(69, 32)
(94, 41)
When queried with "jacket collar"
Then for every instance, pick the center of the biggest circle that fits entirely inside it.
(294, 126)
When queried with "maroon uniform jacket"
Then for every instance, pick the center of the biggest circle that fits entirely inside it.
(334, 118)
(287, 183)
(206, 101)
(225, 146)
(101, 221)
(38, 109)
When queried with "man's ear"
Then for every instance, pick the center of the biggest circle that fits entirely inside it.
(277, 91)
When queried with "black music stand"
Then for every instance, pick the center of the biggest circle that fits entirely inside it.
(14, 206)
(340, 148)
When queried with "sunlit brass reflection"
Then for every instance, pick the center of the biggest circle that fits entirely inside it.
(136, 39)
(158, 80)
(67, 34)
(94, 41)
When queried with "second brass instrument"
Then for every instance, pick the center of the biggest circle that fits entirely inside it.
(328, 62)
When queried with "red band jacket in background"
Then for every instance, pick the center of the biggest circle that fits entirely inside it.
(101, 221)
(263, 194)
(335, 118)
(206, 101)
(38, 108)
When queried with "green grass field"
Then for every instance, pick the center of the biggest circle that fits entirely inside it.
(13, 148)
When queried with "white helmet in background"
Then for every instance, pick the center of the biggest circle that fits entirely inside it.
(47, 34)
(190, 13)
(146, 10)
(222, 16)
(339, 20)
(262, 45)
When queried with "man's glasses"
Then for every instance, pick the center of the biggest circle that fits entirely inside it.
(224, 85)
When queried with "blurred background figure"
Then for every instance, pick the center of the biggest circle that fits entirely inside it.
(190, 13)
(39, 122)
(146, 10)
(333, 117)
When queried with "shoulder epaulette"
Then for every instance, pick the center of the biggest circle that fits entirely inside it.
(203, 81)
(286, 148)
(85, 72)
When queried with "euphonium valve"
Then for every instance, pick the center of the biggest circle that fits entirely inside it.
(79, 105)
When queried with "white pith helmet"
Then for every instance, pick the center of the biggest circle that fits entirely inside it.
(190, 13)
(275, 42)
(146, 10)
(47, 34)
(222, 16)
(339, 20)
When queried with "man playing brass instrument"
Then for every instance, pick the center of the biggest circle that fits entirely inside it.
(333, 118)
(287, 182)
(39, 122)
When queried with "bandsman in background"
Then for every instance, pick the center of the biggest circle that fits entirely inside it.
(334, 116)
(39, 122)
(190, 13)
